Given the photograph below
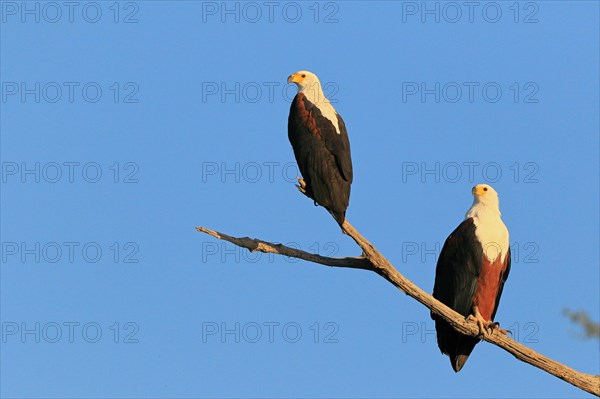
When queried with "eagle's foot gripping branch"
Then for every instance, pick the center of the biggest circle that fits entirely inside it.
(485, 326)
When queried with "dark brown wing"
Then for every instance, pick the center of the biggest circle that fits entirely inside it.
(339, 145)
(323, 156)
(457, 272)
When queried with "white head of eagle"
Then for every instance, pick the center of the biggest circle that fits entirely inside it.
(486, 196)
(308, 84)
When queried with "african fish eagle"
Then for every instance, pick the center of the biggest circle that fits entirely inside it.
(320, 141)
(470, 273)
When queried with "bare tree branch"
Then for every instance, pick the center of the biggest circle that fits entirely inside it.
(253, 245)
(373, 260)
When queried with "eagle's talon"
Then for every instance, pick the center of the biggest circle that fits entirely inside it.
(495, 326)
(301, 186)
(301, 182)
(301, 189)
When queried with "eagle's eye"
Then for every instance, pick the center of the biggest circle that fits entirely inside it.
(303, 75)
(485, 189)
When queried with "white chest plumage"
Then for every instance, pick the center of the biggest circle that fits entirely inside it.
(315, 95)
(491, 232)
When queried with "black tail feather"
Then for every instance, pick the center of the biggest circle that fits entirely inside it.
(454, 344)
(339, 217)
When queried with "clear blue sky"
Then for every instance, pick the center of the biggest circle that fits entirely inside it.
(124, 126)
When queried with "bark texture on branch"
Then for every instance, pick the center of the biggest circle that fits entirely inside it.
(373, 260)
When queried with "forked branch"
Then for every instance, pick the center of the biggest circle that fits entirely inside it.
(373, 260)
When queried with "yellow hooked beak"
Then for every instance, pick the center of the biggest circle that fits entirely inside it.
(294, 78)
(479, 190)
